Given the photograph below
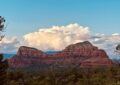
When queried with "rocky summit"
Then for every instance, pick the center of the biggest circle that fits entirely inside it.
(83, 54)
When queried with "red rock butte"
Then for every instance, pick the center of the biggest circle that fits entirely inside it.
(83, 54)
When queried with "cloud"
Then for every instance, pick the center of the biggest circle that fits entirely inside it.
(107, 43)
(57, 37)
(9, 45)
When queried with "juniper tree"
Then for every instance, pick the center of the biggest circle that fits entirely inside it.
(3, 62)
(117, 49)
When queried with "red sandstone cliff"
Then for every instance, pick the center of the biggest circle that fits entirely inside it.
(83, 54)
(26, 56)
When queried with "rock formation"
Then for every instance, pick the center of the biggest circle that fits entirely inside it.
(26, 56)
(83, 54)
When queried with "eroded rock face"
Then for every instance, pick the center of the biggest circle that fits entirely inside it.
(26, 56)
(28, 51)
(84, 54)
(95, 62)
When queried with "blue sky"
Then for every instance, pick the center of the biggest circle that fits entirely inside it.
(24, 16)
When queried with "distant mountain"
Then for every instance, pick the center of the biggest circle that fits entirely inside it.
(83, 54)
(8, 56)
(51, 52)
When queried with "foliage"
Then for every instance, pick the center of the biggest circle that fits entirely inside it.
(2, 21)
(3, 63)
(3, 70)
(71, 76)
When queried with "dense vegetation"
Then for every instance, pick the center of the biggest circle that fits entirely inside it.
(3, 63)
(3, 70)
(71, 76)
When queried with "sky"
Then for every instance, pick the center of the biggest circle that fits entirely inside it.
(28, 21)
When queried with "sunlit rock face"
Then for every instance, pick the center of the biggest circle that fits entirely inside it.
(28, 51)
(26, 56)
(83, 54)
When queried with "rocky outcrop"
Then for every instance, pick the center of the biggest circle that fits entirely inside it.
(28, 51)
(85, 49)
(83, 54)
(95, 62)
(26, 56)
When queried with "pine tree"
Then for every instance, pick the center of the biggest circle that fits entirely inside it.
(3, 62)
(2, 21)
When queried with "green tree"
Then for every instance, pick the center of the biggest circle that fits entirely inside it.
(117, 50)
(3, 63)
(2, 21)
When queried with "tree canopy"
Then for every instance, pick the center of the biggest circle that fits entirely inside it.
(3, 62)
(2, 21)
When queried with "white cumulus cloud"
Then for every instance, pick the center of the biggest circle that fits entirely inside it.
(9, 45)
(57, 37)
